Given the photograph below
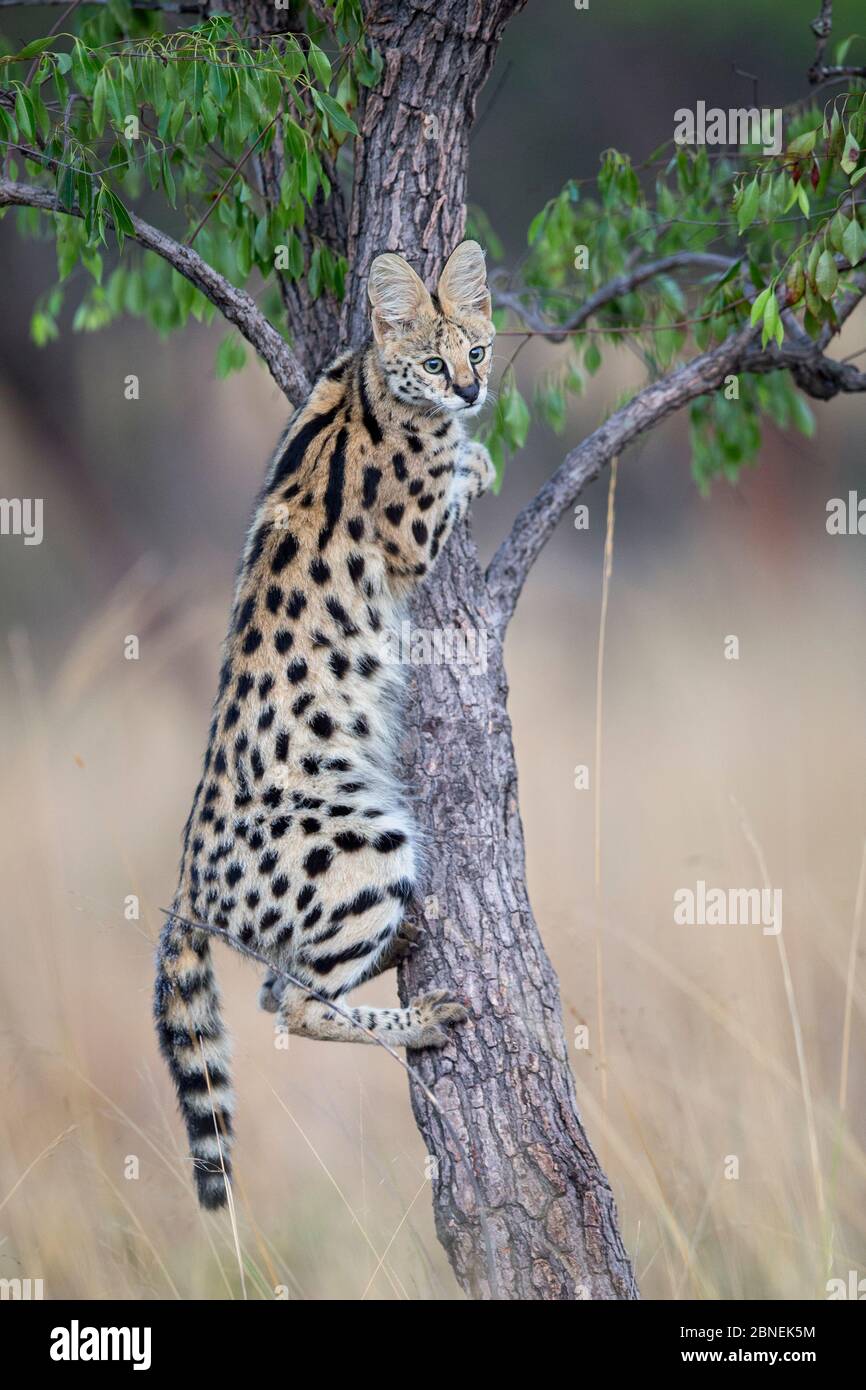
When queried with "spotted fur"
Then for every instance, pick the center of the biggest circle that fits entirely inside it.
(301, 843)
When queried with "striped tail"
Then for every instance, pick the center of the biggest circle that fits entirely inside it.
(194, 1043)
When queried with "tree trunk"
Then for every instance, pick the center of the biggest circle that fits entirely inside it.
(412, 154)
(508, 1092)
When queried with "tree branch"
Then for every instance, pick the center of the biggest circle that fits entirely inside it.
(235, 305)
(818, 376)
(614, 289)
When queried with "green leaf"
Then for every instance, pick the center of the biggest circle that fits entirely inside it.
(851, 154)
(66, 187)
(339, 118)
(296, 140)
(837, 229)
(748, 208)
(209, 116)
(231, 356)
(772, 321)
(516, 418)
(31, 49)
(854, 243)
(320, 64)
(368, 66)
(536, 225)
(314, 274)
(795, 282)
(296, 256)
(804, 144)
(24, 114)
(168, 179)
(801, 416)
(826, 275)
(99, 96)
(760, 305)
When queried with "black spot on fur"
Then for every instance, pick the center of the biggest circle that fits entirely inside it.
(349, 841)
(245, 613)
(389, 841)
(322, 724)
(295, 450)
(318, 861)
(372, 478)
(284, 553)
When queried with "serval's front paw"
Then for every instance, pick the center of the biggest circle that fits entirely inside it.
(477, 467)
(430, 1011)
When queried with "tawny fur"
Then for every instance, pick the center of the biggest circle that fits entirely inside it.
(301, 843)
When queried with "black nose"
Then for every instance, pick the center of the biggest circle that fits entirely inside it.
(469, 394)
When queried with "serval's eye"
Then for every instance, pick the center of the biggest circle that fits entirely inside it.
(434, 365)
(476, 354)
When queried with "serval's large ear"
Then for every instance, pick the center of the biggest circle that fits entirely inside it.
(397, 295)
(462, 285)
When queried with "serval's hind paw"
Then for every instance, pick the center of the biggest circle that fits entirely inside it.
(432, 1010)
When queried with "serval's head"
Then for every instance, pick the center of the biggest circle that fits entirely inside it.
(434, 349)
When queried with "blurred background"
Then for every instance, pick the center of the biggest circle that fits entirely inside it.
(721, 1043)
